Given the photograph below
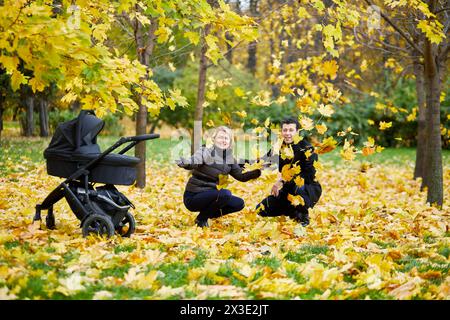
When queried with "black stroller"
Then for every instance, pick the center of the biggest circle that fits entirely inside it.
(74, 154)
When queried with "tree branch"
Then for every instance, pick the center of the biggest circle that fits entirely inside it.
(396, 28)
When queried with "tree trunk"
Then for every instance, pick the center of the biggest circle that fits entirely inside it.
(229, 53)
(433, 169)
(144, 48)
(1, 114)
(43, 117)
(251, 61)
(198, 115)
(29, 121)
(421, 121)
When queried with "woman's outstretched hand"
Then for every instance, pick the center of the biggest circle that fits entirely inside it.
(181, 162)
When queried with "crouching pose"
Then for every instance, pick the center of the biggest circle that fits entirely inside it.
(208, 165)
(296, 178)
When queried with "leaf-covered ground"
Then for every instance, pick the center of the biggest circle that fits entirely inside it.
(371, 237)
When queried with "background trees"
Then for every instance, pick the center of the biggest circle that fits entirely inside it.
(379, 67)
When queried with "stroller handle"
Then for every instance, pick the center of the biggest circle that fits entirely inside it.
(143, 137)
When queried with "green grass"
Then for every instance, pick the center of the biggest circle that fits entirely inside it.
(175, 274)
(271, 262)
(306, 253)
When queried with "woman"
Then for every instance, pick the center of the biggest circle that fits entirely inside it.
(208, 165)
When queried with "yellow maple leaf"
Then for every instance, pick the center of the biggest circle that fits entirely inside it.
(287, 152)
(330, 68)
(432, 29)
(366, 151)
(223, 181)
(327, 145)
(348, 152)
(297, 138)
(385, 125)
(211, 95)
(326, 110)
(306, 123)
(239, 92)
(193, 37)
(321, 128)
(288, 172)
(299, 181)
(296, 200)
(242, 114)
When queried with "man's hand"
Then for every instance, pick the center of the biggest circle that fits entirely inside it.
(276, 188)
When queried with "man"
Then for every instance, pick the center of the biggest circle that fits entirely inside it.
(296, 189)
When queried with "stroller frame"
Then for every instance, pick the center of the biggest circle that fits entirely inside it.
(82, 175)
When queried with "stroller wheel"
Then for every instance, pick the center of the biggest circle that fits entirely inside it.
(98, 224)
(127, 226)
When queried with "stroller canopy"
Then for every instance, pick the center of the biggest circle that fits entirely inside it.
(77, 136)
(74, 145)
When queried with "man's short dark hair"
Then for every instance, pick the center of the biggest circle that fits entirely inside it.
(290, 121)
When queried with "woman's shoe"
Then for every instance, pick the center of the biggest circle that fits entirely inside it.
(202, 223)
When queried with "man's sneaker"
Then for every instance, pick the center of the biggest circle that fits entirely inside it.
(302, 217)
(202, 223)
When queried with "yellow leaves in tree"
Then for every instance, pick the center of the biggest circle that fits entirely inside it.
(330, 35)
(211, 95)
(432, 29)
(176, 99)
(9, 63)
(162, 34)
(193, 37)
(363, 65)
(99, 32)
(17, 78)
(213, 52)
(385, 125)
(262, 98)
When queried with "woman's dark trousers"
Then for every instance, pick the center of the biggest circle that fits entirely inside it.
(212, 203)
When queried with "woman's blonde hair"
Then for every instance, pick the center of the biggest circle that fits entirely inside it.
(225, 129)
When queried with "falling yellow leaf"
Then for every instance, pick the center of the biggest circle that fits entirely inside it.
(241, 114)
(296, 200)
(385, 125)
(306, 123)
(321, 128)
